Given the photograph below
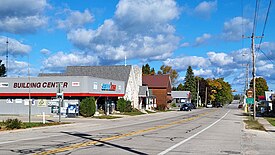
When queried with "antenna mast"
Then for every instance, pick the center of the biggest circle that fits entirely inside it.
(7, 56)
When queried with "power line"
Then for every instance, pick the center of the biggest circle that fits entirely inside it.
(266, 17)
(255, 16)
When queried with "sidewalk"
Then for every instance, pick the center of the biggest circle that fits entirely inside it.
(266, 124)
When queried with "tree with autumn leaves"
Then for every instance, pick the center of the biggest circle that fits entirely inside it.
(261, 86)
(217, 89)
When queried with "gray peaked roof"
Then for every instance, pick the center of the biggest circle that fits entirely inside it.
(142, 91)
(180, 94)
(120, 73)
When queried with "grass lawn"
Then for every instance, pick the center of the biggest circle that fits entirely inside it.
(133, 113)
(253, 124)
(106, 117)
(271, 120)
(24, 125)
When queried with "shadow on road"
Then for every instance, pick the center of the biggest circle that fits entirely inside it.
(86, 136)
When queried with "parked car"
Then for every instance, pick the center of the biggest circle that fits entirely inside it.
(240, 106)
(192, 105)
(185, 107)
(218, 105)
(209, 105)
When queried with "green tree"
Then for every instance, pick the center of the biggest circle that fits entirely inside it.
(237, 97)
(87, 107)
(224, 95)
(202, 88)
(2, 69)
(180, 87)
(219, 91)
(152, 71)
(172, 73)
(190, 83)
(261, 86)
(146, 69)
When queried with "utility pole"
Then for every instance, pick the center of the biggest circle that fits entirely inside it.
(29, 79)
(254, 72)
(247, 76)
(254, 75)
(205, 96)
(7, 56)
(198, 93)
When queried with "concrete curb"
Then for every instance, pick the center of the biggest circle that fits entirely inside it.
(266, 124)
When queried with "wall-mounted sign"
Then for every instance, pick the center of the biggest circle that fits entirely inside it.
(108, 87)
(42, 103)
(3, 84)
(39, 85)
(75, 84)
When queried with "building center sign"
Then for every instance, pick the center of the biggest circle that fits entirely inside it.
(108, 87)
(47, 84)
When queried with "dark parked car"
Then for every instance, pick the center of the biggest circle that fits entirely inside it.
(192, 105)
(218, 105)
(240, 106)
(185, 107)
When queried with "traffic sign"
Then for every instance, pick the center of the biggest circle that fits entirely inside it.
(249, 93)
(249, 100)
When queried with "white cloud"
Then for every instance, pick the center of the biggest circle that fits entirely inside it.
(45, 51)
(75, 19)
(132, 12)
(241, 56)
(14, 47)
(220, 59)
(60, 60)
(22, 16)
(186, 44)
(203, 39)
(206, 73)
(235, 28)
(182, 63)
(204, 9)
(139, 29)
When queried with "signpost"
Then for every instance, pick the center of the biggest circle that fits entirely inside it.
(250, 100)
(60, 96)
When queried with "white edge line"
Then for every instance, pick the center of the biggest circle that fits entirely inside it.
(182, 142)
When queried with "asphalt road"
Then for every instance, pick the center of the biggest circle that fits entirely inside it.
(200, 131)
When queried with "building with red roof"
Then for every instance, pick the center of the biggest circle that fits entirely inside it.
(161, 87)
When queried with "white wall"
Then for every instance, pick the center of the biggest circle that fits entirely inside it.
(132, 89)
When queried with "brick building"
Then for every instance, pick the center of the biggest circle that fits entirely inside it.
(161, 88)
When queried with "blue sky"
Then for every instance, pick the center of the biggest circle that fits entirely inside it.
(48, 35)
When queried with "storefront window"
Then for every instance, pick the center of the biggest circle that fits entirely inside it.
(95, 85)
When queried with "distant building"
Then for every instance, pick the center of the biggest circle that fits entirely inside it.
(161, 88)
(181, 97)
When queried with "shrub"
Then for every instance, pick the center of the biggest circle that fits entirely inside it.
(161, 107)
(87, 107)
(173, 105)
(124, 106)
(13, 124)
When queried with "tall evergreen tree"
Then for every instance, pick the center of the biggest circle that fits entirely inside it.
(2, 69)
(152, 72)
(180, 87)
(146, 69)
(190, 83)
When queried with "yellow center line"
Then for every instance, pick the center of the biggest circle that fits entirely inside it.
(89, 143)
